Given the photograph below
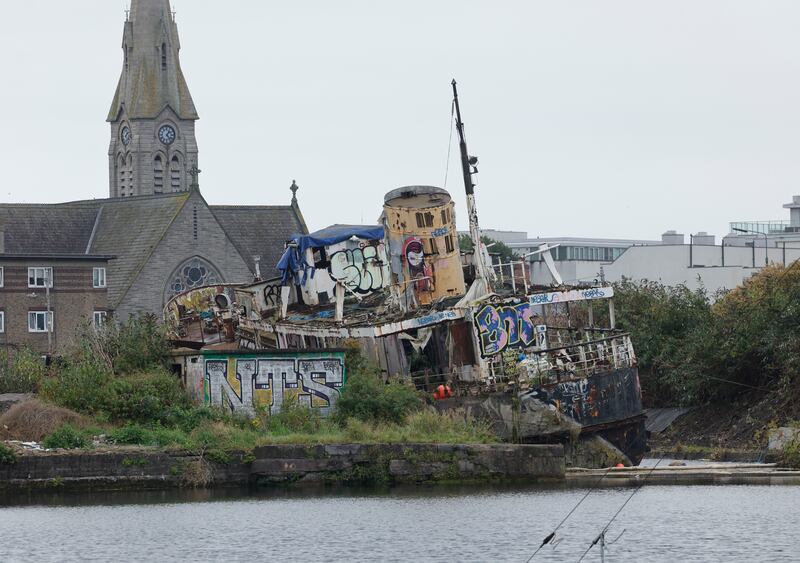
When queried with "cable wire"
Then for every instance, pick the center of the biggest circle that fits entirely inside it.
(621, 508)
(450, 142)
(549, 538)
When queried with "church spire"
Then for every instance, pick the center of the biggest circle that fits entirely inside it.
(152, 117)
(151, 75)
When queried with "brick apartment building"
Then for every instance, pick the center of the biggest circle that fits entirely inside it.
(73, 288)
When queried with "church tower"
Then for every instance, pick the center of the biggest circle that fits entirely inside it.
(153, 145)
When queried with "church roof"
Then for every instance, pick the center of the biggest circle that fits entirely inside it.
(151, 79)
(130, 229)
(46, 229)
(260, 230)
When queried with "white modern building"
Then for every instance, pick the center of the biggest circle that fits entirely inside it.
(696, 260)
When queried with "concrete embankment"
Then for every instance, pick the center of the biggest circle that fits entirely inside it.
(350, 463)
(712, 474)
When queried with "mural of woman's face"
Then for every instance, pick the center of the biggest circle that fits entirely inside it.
(415, 254)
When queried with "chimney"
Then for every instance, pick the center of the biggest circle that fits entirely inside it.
(704, 239)
(794, 213)
(672, 237)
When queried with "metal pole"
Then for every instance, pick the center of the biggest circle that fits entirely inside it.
(603, 547)
(47, 281)
(766, 250)
(466, 162)
(691, 248)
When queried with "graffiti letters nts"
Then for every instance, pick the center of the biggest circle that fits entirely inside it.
(505, 326)
(243, 383)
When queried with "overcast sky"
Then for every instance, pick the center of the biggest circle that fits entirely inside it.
(612, 118)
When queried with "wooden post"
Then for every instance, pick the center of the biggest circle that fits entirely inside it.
(339, 302)
(612, 319)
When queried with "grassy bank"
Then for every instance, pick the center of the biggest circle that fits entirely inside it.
(113, 389)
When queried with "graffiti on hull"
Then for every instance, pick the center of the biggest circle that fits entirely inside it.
(245, 383)
(506, 326)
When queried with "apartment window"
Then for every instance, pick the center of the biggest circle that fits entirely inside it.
(99, 278)
(2, 277)
(37, 321)
(99, 318)
(40, 277)
(420, 220)
(2, 322)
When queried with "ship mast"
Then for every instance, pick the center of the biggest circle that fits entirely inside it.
(469, 166)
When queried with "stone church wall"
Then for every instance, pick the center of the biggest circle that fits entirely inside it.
(177, 247)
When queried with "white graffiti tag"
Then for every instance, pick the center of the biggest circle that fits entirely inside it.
(362, 270)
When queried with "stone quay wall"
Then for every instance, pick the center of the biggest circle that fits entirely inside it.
(285, 464)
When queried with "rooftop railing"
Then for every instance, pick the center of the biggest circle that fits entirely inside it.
(763, 227)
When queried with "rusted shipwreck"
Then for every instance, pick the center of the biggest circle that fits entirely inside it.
(402, 291)
(542, 364)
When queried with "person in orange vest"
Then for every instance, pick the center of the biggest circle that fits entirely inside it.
(442, 392)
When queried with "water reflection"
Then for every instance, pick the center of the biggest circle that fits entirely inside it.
(687, 524)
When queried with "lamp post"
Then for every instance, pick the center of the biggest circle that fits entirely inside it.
(766, 241)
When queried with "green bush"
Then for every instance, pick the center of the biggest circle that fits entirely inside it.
(7, 455)
(78, 386)
(791, 455)
(145, 397)
(132, 434)
(367, 398)
(293, 418)
(88, 388)
(693, 348)
(66, 438)
(21, 371)
(138, 344)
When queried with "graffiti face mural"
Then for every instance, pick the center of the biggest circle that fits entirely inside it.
(500, 327)
(362, 270)
(243, 383)
(418, 269)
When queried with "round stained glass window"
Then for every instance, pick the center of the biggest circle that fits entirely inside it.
(191, 275)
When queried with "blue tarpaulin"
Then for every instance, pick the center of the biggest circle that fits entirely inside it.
(293, 262)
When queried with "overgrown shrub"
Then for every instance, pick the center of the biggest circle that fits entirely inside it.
(367, 398)
(146, 397)
(21, 371)
(138, 344)
(694, 349)
(33, 420)
(66, 438)
(293, 418)
(7, 455)
(80, 386)
(791, 455)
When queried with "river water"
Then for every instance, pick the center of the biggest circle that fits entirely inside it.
(672, 523)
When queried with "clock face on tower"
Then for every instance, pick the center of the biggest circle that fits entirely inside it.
(125, 135)
(166, 135)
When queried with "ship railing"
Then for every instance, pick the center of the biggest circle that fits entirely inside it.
(578, 360)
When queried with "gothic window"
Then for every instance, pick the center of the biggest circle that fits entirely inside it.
(122, 179)
(129, 174)
(158, 174)
(163, 56)
(192, 274)
(176, 174)
(125, 50)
